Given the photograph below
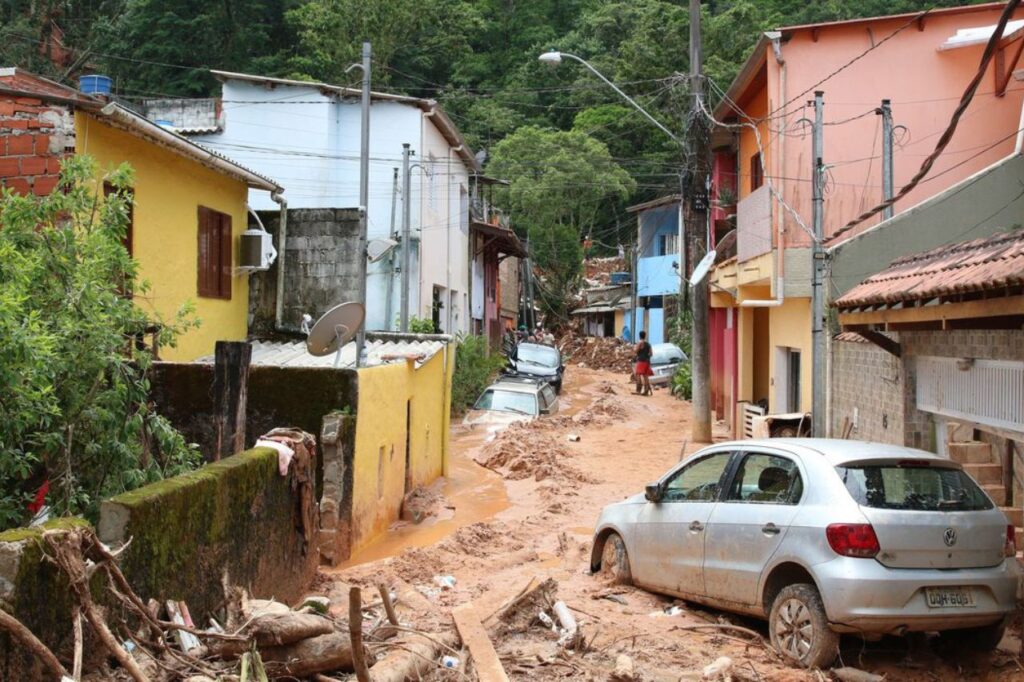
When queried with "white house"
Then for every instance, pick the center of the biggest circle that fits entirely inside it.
(308, 136)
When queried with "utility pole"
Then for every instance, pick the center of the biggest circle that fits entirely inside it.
(406, 238)
(817, 274)
(886, 112)
(696, 224)
(634, 334)
(391, 256)
(364, 195)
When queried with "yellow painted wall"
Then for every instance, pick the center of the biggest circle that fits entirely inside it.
(168, 192)
(379, 472)
(756, 108)
(620, 322)
(790, 326)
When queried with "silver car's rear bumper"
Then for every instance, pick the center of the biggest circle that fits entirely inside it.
(862, 595)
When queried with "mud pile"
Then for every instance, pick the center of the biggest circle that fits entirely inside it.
(530, 450)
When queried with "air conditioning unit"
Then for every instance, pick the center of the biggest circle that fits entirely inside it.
(257, 252)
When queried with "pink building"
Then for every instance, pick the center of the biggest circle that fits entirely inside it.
(921, 63)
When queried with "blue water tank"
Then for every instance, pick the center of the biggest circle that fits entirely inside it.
(620, 278)
(94, 85)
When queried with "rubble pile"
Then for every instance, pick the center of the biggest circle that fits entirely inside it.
(598, 271)
(606, 353)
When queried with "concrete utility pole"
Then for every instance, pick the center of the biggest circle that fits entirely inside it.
(886, 113)
(364, 194)
(817, 274)
(388, 321)
(406, 237)
(634, 334)
(696, 224)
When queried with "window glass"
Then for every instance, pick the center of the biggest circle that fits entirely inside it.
(766, 479)
(508, 401)
(913, 486)
(547, 397)
(666, 355)
(697, 482)
(538, 355)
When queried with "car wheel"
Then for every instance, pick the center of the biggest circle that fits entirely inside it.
(799, 627)
(615, 561)
(985, 638)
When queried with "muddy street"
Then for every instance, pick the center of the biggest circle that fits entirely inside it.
(519, 507)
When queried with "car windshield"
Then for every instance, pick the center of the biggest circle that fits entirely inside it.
(913, 486)
(666, 355)
(538, 355)
(508, 401)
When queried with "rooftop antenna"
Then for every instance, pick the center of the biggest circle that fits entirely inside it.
(334, 329)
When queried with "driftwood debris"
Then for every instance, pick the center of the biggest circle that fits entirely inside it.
(310, 656)
(412, 656)
(474, 637)
(355, 630)
(522, 610)
(22, 634)
(274, 630)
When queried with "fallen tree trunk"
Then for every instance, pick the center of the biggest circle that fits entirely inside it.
(275, 629)
(321, 654)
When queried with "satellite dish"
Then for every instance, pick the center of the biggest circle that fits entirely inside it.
(701, 271)
(334, 329)
(378, 248)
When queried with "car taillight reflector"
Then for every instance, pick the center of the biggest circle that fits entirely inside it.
(1010, 549)
(853, 539)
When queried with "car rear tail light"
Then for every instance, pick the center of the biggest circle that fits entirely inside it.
(853, 539)
(1010, 548)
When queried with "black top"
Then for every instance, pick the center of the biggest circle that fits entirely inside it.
(643, 353)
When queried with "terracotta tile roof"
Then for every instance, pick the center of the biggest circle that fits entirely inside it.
(992, 263)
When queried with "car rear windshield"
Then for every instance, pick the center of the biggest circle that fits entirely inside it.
(912, 486)
(667, 356)
(508, 401)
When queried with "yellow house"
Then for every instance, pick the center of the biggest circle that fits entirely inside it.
(189, 208)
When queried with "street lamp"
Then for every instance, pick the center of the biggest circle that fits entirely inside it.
(554, 58)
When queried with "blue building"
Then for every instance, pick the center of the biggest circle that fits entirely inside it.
(659, 237)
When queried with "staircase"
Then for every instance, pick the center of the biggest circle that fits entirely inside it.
(978, 460)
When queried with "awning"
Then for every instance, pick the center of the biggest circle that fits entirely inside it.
(503, 238)
(977, 283)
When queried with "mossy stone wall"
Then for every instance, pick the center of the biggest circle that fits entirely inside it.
(233, 522)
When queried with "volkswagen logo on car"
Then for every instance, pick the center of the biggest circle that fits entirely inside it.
(949, 537)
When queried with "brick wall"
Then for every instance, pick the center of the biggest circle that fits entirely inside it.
(867, 382)
(34, 137)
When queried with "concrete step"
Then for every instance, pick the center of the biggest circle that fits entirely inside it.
(985, 473)
(997, 491)
(1015, 515)
(974, 452)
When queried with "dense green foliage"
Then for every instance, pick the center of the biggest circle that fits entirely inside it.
(73, 387)
(475, 368)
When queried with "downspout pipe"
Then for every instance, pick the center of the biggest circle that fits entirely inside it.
(780, 238)
(282, 243)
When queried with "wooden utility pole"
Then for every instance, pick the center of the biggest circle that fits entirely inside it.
(230, 394)
(698, 152)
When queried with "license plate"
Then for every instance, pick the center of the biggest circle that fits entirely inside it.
(949, 597)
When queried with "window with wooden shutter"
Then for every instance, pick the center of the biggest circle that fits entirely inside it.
(214, 254)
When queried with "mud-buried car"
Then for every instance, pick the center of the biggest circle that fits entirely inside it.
(820, 537)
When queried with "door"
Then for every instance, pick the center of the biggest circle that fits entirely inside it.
(669, 552)
(748, 525)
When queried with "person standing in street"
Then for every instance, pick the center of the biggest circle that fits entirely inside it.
(643, 370)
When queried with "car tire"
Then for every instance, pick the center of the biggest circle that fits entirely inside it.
(799, 627)
(983, 639)
(615, 561)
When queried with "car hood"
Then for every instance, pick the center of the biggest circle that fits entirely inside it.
(494, 417)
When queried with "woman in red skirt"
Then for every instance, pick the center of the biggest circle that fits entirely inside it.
(643, 366)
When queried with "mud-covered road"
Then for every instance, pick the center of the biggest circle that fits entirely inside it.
(528, 515)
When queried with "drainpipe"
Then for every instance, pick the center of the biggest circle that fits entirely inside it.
(282, 241)
(780, 239)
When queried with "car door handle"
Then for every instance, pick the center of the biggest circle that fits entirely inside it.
(696, 527)
(770, 529)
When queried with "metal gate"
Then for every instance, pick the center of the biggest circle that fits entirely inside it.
(985, 392)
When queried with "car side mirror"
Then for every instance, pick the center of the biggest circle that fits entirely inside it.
(653, 492)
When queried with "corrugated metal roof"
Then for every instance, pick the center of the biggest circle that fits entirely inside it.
(987, 264)
(383, 349)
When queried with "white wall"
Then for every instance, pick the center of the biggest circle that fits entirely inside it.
(310, 142)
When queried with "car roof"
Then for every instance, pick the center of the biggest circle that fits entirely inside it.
(517, 384)
(837, 451)
(538, 345)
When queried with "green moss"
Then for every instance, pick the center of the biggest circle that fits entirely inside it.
(36, 532)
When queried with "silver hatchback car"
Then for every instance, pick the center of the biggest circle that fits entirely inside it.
(820, 537)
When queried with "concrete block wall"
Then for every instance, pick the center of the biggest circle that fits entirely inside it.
(320, 266)
(867, 382)
(34, 138)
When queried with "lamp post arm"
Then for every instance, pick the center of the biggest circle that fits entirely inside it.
(624, 96)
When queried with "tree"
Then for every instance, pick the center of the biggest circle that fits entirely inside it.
(73, 387)
(560, 185)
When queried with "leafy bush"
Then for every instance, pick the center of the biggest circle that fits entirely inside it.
(682, 382)
(73, 386)
(475, 368)
(421, 325)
